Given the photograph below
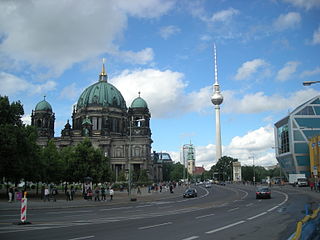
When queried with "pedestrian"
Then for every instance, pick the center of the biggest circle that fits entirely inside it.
(46, 194)
(97, 194)
(68, 194)
(139, 190)
(160, 187)
(54, 193)
(171, 189)
(42, 192)
(311, 185)
(111, 192)
(89, 194)
(10, 194)
(72, 191)
(103, 194)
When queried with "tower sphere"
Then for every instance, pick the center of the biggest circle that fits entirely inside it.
(216, 98)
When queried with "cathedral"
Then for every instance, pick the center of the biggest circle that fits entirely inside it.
(101, 114)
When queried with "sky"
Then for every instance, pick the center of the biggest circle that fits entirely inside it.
(164, 49)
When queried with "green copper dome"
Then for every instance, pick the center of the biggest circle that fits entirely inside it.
(103, 94)
(139, 103)
(43, 106)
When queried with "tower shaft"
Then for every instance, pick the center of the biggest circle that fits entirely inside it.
(218, 133)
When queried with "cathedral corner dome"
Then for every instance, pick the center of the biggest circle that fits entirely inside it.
(43, 106)
(139, 103)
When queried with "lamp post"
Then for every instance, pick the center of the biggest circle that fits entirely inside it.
(129, 162)
(254, 173)
(308, 83)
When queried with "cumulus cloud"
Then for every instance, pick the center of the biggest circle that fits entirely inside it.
(286, 72)
(249, 68)
(46, 35)
(309, 73)
(26, 119)
(287, 21)
(259, 102)
(142, 57)
(224, 15)
(11, 85)
(167, 31)
(316, 37)
(309, 4)
(257, 143)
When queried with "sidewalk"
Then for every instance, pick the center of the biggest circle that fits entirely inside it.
(118, 198)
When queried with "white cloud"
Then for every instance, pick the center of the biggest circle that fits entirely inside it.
(162, 90)
(167, 31)
(224, 15)
(316, 37)
(142, 57)
(287, 21)
(70, 92)
(11, 84)
(309, 73)
(306, 4)
(205, 38)
(49, 36)
(26, 119)
(286, 72)
(249, 68)
(259, 102)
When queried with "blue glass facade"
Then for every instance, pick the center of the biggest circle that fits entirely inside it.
(292, 135)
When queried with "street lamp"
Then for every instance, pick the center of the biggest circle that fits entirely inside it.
(254, 173)
(308, 83)
(130, 143)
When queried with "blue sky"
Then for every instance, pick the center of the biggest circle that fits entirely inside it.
(164, 49)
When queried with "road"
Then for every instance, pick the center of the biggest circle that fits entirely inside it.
(220, 212)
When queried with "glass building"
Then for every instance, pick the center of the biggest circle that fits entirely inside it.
(292, 136)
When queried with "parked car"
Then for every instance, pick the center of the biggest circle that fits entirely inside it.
(191, 192)
(208, 185)
(263, 192)
(302, 182)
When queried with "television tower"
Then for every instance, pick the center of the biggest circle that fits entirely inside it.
(217, 99)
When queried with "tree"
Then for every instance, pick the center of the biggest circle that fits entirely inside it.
(224, 168)
(177, 172)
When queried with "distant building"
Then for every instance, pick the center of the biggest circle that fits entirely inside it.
(158, 160)
(236, 172)
(292, 136)
(199, 170)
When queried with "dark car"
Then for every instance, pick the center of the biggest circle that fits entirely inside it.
(191, 192)
(263, 192)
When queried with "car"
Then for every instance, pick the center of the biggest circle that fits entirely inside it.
(263, 192)
(208, 185)
(222, 183)
(189, 193)
(302, 182)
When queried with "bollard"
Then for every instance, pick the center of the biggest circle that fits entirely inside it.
(24, 204)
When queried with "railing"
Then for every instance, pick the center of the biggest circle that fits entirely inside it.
(308, 227)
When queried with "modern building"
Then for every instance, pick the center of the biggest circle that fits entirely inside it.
(217, 99)
(101, 114)
(314, 150)
(236, 172)
(292, 136)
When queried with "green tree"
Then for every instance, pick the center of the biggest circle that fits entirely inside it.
(224, 168)
(177, 172)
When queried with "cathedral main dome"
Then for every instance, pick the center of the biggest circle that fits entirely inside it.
(101, 94)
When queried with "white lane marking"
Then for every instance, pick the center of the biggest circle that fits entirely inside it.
(272, 208)
(225, 227)
(83, 211)
(208, 215)
(250, 204)
(233, 209)
(191, 238)
(260, 214)
(148, 205)
(132, 211)
(110, 209)
(79, 238)
(153, 226)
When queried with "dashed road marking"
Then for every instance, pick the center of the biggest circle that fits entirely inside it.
(153, 226)
(225, 227)
(203, 216)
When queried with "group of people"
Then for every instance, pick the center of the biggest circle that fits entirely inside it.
(99, 194)
(49, 193)
(315, 186)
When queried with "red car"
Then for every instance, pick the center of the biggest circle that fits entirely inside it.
(263, 192)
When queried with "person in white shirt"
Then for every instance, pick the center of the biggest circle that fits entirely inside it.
(111, 192)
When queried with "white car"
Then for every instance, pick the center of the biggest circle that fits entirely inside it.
(208, 185)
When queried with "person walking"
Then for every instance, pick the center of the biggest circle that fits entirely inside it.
(139, 190)
(103, 194)
(68, 194)
(111, 192)
(97, 194)
(46, 194)
(10, 194)
(54, 193)
(72, 192)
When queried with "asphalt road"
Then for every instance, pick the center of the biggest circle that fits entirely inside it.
(220, 212)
